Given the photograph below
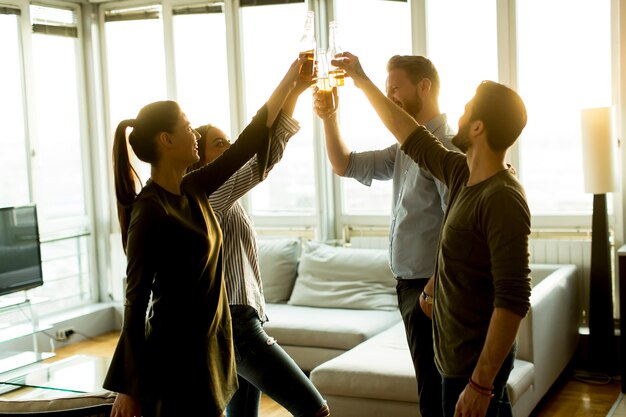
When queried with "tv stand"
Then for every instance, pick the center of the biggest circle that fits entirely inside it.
(10, 360)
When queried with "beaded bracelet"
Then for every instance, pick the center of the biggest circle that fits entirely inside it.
(480, 389)
(428, 299)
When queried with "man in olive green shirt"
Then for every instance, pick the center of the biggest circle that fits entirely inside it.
(481, 282)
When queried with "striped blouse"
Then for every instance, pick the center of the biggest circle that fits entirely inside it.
(241, 264)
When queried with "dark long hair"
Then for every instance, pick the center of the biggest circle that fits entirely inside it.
(160, 116)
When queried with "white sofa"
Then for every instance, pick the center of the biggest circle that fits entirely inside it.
(358, 356)
(341, 297)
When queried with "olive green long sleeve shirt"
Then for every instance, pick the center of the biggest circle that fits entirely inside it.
(483, 259)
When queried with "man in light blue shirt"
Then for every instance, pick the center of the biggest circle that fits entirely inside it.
(417, 207)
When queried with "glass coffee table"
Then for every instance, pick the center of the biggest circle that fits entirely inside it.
(65, 377)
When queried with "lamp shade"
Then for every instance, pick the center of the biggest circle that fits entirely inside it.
(599, 150)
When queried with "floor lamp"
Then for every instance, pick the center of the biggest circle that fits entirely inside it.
(599, 152)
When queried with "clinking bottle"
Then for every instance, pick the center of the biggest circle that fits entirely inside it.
(323, 80)
(336, 75)
(308, 45)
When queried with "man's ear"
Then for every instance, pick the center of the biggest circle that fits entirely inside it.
(477, 127)
(425, 85)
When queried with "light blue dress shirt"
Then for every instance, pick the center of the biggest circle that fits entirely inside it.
(418, 202)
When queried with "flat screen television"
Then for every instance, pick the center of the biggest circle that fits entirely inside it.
(20, 252)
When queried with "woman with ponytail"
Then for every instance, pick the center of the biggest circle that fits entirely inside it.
(175, 354)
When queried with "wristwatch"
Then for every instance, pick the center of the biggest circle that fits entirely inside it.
(428, 299)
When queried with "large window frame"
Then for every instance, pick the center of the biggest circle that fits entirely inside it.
(69, 257)
(507, 73)
(330, 218)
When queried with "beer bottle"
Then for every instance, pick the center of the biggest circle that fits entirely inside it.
(323, 80)
(308, 45)
(336, 75)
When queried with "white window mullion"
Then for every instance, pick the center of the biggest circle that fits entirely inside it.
(234, 61)
(618, 41)
(168, 48)
(29, 98)
(419, 27)
(507, 56)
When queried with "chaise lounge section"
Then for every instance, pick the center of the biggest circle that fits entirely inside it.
(376, 378)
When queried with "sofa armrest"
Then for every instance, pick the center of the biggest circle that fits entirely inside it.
(548, 336)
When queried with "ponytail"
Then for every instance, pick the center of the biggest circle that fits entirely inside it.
(125, 178)
(160, 116)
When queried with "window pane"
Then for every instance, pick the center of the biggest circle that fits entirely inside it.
(361, 127)
(60, 180)
(270, 44)
(13, 167)
(202, 74)
(464, 52)
(562, 69)
(59, 169)
(136, 69)
(67, 280)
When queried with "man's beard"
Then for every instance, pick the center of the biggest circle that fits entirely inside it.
(461, 139)
(413, 107)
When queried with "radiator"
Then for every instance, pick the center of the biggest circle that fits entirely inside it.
(545, 247)
(565, 248)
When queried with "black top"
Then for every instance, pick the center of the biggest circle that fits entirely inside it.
(176, 337)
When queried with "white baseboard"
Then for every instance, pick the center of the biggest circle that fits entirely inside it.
(86, 321)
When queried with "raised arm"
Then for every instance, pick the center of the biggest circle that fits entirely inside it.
(301, 86)
(399, 122)
(254, 139)
(246, 177)
(283, 91)
(337, 150)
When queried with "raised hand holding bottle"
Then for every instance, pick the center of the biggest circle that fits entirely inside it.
(336, 75)
(324, 85)
(308, 45)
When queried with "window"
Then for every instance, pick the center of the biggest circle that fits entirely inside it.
(60, 147)
(562, 69)
(135, 64)
(13, 158)
(270, 36)
(54, 174)
(58, 151)
(378, 31)
(463, 47)
(202, 73)
(67, 274)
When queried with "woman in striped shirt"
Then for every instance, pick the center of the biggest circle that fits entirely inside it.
(262, 365)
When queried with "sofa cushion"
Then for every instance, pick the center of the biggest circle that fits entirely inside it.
(379, 368)
(338, 277)
(278, 263)
(333, 328)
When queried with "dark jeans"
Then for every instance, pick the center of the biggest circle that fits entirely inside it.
(419, 334)
(500, 405)
(262, 365)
